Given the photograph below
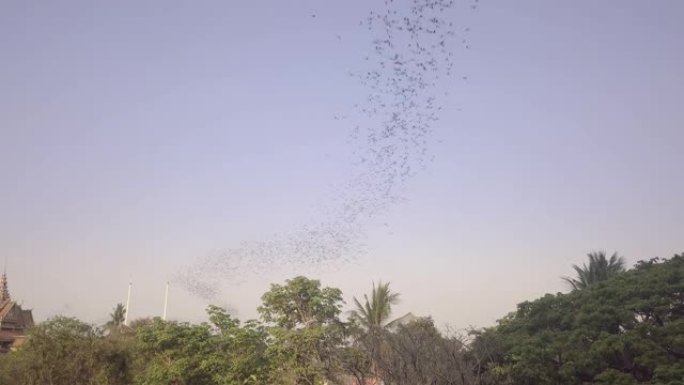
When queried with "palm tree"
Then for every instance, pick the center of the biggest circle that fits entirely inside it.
(117, 317)
(373, 314)
(599, 269)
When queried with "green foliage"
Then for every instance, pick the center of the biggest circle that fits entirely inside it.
(628, 329)
(243, 347)
(371, 318)
(116, 319)
(374, 312)
(599, 269)
(301, 301)
(66, 351)
(176, 353)
(625, 329)
(305, 329)
(222, 352)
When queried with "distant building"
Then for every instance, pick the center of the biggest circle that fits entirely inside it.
(14, 321)
(403, 321)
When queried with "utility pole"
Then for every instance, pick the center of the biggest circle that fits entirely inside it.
(128, 303)
(166, 301)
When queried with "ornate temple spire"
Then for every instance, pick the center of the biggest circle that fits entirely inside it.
(4, 291)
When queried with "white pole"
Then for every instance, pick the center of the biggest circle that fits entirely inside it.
(166, 301)
(128, 303)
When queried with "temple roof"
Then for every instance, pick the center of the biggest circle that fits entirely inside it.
(12, 316)
(14, 321)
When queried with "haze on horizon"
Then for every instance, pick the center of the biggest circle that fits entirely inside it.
(137, 137)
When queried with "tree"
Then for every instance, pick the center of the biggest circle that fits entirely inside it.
(301, 302)
(306, 333)
(177, 353)
(599, 269)
(117, 317)
(374, 313)
(65, 351)
(417, 353)
(372, 316)
(220, 352)
(627, 330)
(243, 346)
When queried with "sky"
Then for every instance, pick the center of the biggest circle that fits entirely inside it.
(138, 137)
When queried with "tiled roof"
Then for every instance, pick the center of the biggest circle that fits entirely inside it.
(5, 307)
(11, 312)
(27, 315)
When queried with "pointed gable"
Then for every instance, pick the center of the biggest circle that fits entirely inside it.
(14, 321)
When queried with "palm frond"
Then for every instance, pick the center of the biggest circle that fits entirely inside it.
(599, 269)
(377, 308)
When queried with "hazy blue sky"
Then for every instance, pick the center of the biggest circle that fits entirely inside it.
(137, 136)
